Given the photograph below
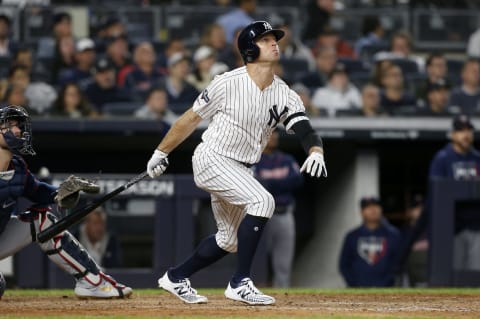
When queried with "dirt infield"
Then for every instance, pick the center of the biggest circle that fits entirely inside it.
(288, 306)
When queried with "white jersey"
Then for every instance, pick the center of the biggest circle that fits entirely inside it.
(243, 116)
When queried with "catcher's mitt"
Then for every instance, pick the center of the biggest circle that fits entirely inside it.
(69, 190)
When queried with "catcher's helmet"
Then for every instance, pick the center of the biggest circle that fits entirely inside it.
(17, 144)
(246, 40)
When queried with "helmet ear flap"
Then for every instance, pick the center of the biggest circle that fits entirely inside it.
(252, 52)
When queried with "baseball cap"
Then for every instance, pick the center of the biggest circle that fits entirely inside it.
(462, 121)
(437, 85)
(202, 53)
(176, 57)
(103, 64)
(85, 44)
(369, 200)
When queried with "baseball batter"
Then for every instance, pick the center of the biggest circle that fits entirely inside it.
(244, 106)
(18, 229)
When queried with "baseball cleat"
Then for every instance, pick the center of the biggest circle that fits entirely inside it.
(248, 293)
(105, 290)
(183, 290)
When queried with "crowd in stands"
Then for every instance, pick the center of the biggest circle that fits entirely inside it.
(111, 73)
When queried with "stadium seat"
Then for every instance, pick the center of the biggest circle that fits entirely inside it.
(407, 66)
(353, 66)
(120, 108)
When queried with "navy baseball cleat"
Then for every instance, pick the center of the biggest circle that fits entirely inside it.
(248, 293)
(182, 289)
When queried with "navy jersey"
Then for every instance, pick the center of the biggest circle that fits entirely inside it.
(17, 182)
(368, 256)
(450, 164)
(280, 175)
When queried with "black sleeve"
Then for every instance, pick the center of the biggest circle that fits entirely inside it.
(308, 137)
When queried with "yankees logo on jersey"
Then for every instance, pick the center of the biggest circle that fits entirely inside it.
(243, 116)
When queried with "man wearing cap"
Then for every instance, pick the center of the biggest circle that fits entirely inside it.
(369, 251)
(81, 74)
(437, 94)
(458, 160)
(7, 46)
(104, 89)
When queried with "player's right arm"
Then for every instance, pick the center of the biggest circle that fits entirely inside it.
(181, 129)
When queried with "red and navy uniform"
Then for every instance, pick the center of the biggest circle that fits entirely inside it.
(368, 256)
(17, 182)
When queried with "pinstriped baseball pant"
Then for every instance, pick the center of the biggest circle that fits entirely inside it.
(234, 192)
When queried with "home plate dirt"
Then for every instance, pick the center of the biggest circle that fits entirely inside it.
(288, 305)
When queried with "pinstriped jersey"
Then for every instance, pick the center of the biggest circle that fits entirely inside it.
(242, 117)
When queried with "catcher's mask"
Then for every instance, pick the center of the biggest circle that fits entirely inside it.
(18, 144)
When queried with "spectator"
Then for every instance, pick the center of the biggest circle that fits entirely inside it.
(174, 45)
(40, 95)
(473, 46)
(110, 27)
(372, 35)
(305, 94)
(393, 95)
(7, 46)
(180, 93)
(467, 96)
(330, 38)
(459, 160)
(144, 74)
(319, 13)
(214, 37)
(401, 48)
(102, 245)
(72, 103)
(436, 67)
(37, 70)
(326, 59)
(293, 48)
(378, 69)
(116, 50)
(205, 66)
(103, 89)
(370, 106)
(437, 100)
(156, 107)
(280, 174)
(339, 94)
(84, 60)
(237, 18)
(369, 252)
(64, 57)
(61, 28)
(14, 95)
(417, 262)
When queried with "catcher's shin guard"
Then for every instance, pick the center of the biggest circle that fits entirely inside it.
(67, 253)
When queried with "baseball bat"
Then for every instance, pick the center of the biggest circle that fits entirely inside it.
(77, 214)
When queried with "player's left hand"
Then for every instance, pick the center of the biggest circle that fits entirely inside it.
(69, 190)
(314, 165)
(157, 164)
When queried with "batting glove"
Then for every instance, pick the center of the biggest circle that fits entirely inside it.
(315, 165)
(157, 164)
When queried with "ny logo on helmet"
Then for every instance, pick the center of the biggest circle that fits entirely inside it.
(267, 26)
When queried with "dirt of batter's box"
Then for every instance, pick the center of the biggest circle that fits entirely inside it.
(288, 305)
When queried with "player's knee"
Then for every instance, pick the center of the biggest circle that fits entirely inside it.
(227, 245)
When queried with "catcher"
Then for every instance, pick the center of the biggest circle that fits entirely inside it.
(18, 229)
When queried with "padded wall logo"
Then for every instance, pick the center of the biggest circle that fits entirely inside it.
(372, 249)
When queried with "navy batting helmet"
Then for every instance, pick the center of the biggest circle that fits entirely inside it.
(17, 144)
(246, 40)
